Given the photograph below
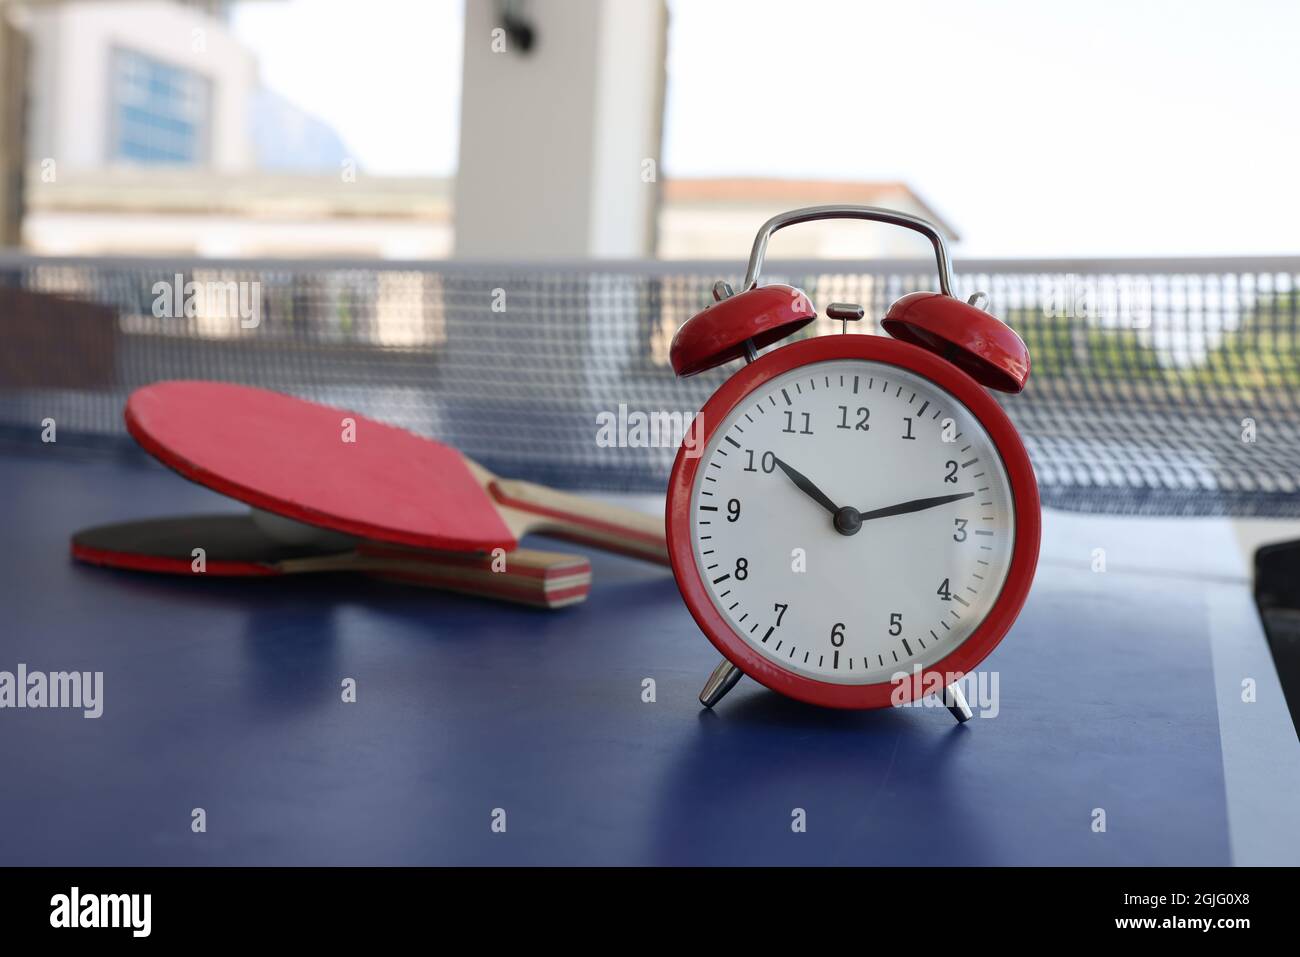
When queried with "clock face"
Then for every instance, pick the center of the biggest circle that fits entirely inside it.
(851, 519)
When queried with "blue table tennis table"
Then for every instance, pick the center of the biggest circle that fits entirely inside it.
(1119, 690)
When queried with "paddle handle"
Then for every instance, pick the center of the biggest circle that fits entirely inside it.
(577, 519)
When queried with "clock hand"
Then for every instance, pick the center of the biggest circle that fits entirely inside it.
(807, 487)
(915, 505)
(844, 519)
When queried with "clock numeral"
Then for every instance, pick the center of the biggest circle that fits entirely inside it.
(837, 634)
(789, 424)
(951, 466)
(861, 425)
(742, 569)
(733, 510)
(907, 433)
(896, 623)
(781, 613)
(960, 534)
(768, 462)
(944, 592)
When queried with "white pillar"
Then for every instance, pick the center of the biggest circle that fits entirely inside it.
(559, 145)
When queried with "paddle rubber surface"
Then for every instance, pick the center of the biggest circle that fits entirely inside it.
(317, 464)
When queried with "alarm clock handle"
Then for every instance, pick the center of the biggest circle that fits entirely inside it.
(837, 211)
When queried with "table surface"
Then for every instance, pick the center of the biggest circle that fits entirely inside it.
(1117, 690)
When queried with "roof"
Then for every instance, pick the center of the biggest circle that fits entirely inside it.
(792, 193)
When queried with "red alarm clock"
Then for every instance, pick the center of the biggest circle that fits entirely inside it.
(858, 522)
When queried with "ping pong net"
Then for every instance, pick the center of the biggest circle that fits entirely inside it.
(1159, 387)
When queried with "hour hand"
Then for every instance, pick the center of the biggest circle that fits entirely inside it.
(915, 505)
(806, 486)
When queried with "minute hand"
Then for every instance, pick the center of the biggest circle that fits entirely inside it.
(915, 505)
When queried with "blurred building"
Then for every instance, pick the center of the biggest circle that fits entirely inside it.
(148, 133)
(271, 214)
(143, 83)
(717, 219)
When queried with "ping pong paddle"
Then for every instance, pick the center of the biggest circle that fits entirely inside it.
(342, 471)
(238, 545)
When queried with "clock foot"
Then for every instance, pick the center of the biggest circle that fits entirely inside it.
(722, 680)
(955, 701)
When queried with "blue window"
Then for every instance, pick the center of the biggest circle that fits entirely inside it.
(159, 111)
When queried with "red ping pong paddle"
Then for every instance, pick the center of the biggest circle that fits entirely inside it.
(342, 471)
(238, 545)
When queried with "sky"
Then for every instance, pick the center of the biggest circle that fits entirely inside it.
(1038, 129)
